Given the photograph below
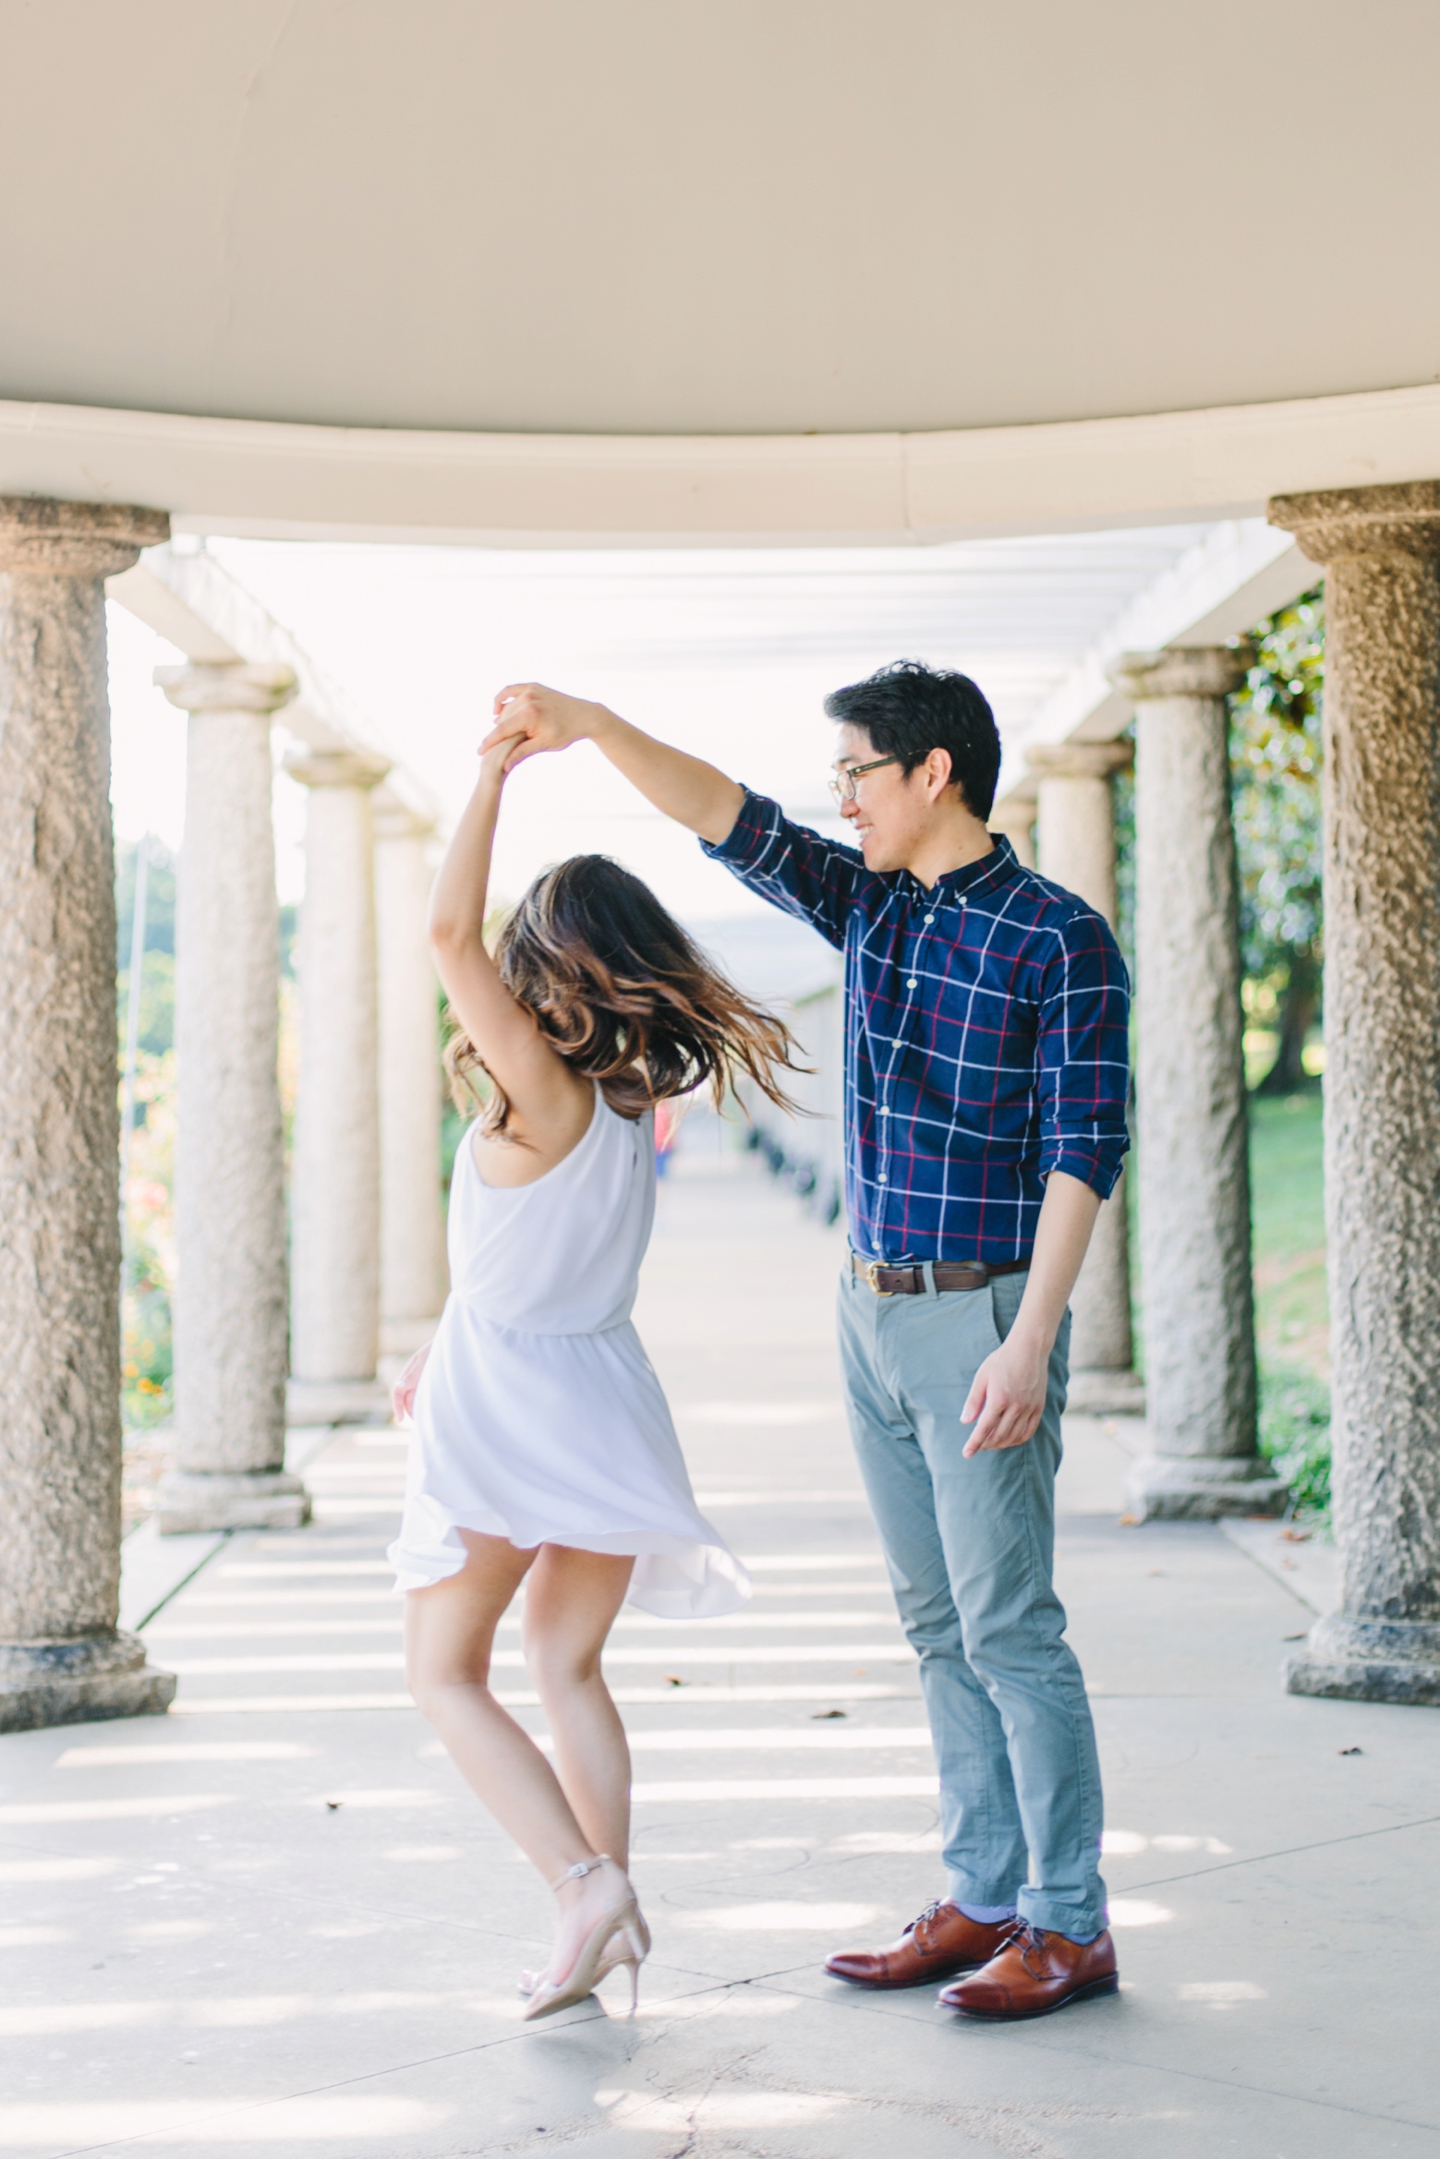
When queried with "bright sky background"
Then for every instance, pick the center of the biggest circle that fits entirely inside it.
(727, 653)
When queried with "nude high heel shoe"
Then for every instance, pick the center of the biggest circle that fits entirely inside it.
(618, 1936)
(617, 1951)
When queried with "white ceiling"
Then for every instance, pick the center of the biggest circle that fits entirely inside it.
(726, 216)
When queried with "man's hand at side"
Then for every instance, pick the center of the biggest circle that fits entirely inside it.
(1007, 1396)
(683, 787)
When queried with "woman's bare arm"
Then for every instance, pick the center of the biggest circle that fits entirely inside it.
(531, 718)
(544, 1093)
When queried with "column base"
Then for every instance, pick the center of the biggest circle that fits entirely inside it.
(1368, 1660)
(402, 1337)
(258, 1499)
(1100, 1393)
(336, 1401)
(77, 1682)
(1202, 1488)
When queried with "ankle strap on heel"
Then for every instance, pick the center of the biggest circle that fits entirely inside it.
(578, 1872)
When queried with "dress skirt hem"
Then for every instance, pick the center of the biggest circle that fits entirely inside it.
(675, 1577)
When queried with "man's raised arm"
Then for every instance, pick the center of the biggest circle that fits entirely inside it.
(683, 787)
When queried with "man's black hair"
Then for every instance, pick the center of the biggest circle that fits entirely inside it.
(909, 709)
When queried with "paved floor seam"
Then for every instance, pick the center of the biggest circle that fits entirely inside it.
(1288, 1851)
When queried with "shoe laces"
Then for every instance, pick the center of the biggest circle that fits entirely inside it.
(930, 1912)
(1027, 1939)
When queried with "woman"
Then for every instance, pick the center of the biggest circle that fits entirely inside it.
(545, 1448)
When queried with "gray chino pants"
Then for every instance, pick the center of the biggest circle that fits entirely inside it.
(970, 1548)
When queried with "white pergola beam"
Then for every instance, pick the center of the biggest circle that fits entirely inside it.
(194, 603)
(1240, 572)
(271, 479)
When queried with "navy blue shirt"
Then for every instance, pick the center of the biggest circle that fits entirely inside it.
(986, 1037)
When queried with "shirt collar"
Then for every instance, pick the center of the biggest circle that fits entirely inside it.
(972, 880)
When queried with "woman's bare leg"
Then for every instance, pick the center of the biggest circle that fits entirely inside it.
(570, 1604)
(449, 1634)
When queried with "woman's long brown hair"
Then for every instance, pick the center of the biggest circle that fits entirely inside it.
(624, 996)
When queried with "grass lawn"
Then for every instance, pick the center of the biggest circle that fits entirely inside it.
(1292, 1316)
(1287, 1200)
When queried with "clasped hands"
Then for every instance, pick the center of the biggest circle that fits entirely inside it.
(535, 719)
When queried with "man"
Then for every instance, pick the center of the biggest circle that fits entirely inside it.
(986, 1077)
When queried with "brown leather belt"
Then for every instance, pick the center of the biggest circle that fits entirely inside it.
(949, 1274)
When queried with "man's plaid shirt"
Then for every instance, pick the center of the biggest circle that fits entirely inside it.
(986, 1038)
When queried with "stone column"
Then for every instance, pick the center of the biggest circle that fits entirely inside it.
(335, 1183)
(62, 1656)
(1015, 817)
(1193, 1151)
(1381, 551)
(231, 1321)
(412, 1221)
(1077, 849)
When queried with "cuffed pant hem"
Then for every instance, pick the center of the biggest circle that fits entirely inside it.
(1076, 1922)
(978, 1889)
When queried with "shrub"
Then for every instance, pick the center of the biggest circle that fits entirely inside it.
(1295, 1435)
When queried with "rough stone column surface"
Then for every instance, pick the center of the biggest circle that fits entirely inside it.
(412, 1222)
(231, 1302)
(1194, 1162)
(335, 1293)
(1381, 551)
(1015, 817)
(1077, 849)
(61, 1655)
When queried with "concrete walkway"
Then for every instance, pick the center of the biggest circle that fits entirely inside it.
(276, 1918)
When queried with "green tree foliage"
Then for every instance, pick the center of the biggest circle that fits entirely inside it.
(1275, 763)
(157, 977)
(159, 899)
(1123, 792)
(1275, 757)
(147, 1366)
(157, 980)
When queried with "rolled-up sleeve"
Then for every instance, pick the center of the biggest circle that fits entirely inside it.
(1083, 1055)
(791, 866)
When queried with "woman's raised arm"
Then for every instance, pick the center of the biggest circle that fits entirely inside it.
(540, 1085)
(533, 719)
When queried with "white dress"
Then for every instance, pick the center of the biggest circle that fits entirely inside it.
(538, 1415)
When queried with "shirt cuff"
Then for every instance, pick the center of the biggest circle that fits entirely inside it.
(747, 837)
(1098, 1167)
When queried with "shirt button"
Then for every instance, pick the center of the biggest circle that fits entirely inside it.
(912, 984)
(884, 1112)
(883, 1178)
(928, 920)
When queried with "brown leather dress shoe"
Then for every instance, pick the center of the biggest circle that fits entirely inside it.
(939, 1943)
(1033, 1973)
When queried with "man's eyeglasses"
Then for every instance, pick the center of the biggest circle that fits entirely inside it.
(842, 787)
